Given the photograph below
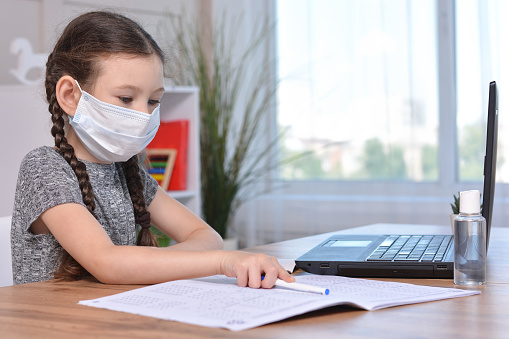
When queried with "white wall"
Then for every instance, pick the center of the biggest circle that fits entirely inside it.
(25, 126)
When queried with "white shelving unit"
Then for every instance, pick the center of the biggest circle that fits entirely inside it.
(183, 103)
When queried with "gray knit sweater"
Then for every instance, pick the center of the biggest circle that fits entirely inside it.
(46, 180)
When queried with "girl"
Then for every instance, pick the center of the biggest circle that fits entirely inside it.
(77, 204)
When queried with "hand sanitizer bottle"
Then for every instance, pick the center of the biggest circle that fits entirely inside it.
(470, 241)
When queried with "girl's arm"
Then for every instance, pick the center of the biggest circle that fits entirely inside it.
(181, 225)
(83, 237)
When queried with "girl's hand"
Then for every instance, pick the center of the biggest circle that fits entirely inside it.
(248, 268)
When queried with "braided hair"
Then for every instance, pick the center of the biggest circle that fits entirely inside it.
(84, 41)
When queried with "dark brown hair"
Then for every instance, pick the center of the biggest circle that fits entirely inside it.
(77, 53)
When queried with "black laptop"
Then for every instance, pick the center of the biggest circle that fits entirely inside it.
(403, 256)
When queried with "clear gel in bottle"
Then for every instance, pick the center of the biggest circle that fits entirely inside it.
(470, 241)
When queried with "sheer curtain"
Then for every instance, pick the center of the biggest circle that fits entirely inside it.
(482, 50)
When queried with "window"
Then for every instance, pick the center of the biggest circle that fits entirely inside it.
(389, 97)
(359, 89)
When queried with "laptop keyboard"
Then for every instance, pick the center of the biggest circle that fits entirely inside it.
(425, 248)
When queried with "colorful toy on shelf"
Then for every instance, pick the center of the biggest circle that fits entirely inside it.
(174, 135)
(160, 164)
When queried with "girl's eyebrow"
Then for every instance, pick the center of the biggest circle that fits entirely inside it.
(136, 88)
(126, 86)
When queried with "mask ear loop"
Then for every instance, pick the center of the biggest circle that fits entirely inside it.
(77, 83)
(81, 91)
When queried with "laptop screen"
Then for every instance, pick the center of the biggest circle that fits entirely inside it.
(490, 159)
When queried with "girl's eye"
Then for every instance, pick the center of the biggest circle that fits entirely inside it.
(154, 102)
(125, 100)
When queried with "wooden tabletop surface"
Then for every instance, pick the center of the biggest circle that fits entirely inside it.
(50, 308)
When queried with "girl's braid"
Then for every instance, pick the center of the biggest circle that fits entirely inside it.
(68, 267)
(142, 216)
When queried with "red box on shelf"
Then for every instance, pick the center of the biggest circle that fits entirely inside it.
(175, 135)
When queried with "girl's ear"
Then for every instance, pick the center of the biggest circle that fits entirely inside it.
(68, 94)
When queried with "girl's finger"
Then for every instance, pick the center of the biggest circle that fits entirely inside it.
(255, 277)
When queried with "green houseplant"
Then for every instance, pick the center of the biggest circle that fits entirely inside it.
(455, 205)
(236, 91)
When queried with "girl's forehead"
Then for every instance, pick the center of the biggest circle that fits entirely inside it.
(122, 69)
(115, 62)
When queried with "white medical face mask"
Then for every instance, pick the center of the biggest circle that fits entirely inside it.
(112, 133)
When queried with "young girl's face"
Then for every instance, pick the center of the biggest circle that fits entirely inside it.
(129, 81)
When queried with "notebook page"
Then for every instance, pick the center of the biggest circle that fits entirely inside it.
(218, 302)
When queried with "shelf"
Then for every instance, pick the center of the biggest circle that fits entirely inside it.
(183, 103)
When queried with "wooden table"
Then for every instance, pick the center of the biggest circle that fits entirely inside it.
(50, 309)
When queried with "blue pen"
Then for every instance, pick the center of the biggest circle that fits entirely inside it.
(301, 287)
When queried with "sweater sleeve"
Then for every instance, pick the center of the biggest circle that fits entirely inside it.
(45, 180)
